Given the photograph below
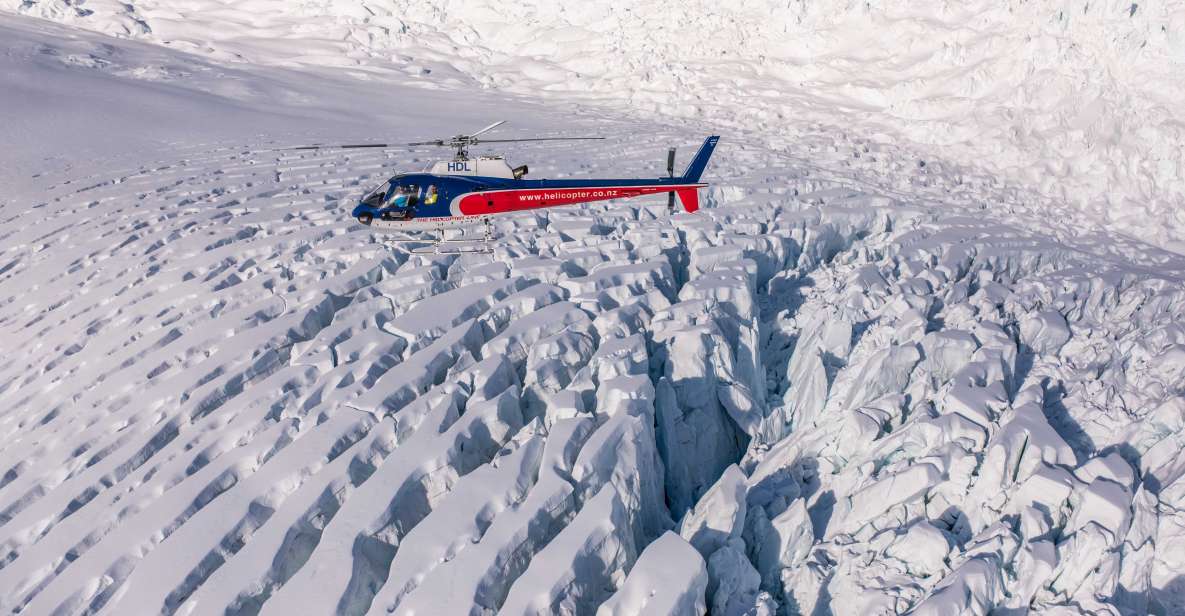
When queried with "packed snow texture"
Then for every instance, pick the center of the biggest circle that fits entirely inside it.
(1073, 101)
(219, 394)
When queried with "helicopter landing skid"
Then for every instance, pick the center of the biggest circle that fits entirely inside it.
(443, 245)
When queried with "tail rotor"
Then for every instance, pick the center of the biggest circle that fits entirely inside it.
(671, 174)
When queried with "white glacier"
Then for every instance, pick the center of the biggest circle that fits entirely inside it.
(860, 380)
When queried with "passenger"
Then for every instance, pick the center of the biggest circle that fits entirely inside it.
(398, 205)
(430, 198)
(399, 200)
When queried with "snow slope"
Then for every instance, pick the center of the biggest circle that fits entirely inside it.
(1074, 101)
(219, 394)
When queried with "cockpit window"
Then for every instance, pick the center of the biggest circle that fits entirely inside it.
(375, 197)
(399, 197)
(404, 189)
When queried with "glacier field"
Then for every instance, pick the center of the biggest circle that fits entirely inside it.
(863, 385)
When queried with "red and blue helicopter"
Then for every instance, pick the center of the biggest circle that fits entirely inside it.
(466, 190)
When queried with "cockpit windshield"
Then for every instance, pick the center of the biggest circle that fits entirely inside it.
(398, 193)
(374, 198)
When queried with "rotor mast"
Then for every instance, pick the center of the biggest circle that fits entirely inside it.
(460, 143)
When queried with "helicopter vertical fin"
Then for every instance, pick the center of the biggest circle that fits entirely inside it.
(689, 197)
(697, 165)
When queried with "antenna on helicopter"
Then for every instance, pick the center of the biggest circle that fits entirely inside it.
(460, 143)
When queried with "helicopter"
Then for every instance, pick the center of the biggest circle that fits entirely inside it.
(467, 191)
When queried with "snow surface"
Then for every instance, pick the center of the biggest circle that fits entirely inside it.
(221, 395)
(1063, 101)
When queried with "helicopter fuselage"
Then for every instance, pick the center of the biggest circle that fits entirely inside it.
(423, 201)
(464, 199)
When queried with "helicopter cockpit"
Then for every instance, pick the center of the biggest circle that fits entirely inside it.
(397, 198)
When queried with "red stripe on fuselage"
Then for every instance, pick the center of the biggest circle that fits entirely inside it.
(501, 201)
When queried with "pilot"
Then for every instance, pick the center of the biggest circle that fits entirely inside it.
(398, 204)
(430, 198)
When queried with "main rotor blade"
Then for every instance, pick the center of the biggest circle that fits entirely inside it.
(438, 142)
(488, 128)
(535, 139)
(346, 146)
